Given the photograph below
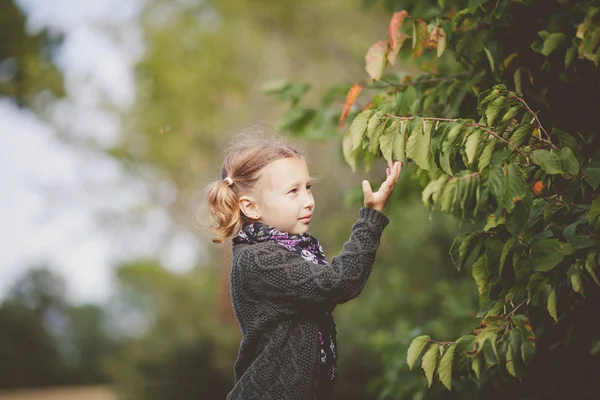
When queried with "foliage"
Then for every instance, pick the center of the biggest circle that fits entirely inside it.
(476, 125)
(26, 67)
(180, 347)
(45, 341)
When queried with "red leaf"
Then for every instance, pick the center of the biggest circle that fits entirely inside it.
(397, 38)
(538, 187)
(350, 99)
(375, 59)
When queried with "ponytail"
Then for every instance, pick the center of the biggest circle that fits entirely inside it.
(225, 210)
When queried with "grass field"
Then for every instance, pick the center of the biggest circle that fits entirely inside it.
(77, 393)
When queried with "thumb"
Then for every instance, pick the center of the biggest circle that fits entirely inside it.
(366, 186)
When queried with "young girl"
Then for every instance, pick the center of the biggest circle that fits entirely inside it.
(283, 287)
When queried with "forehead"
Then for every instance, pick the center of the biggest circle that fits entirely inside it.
(285, 171)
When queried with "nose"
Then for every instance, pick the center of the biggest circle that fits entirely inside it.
(309, 202)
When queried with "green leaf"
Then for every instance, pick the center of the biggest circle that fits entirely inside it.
(419, 143)
(594, 210)
(552, 304)
(432, 191)
(492, 112)
(399, 149)
(552, 42)
(386, 141)
(565, 139)
(463, 247)
(571, 54)
(415, 349)
(592, 174)
(522, 133)
(518, 79)
(516, 365)
(576, 278)
(569, 161)
(515, 186)
(547, 253)
(375, 122)
(359, 127)
(590, 267)
(445, 367)
(481, 273)
(375, 135)
(497, 181)
(548, 161)
(430, 362)
(472, 145)
(349, 155)
(476, 366)
(490, 57)
(450, 144)
(446, 199)
(505, 251)
(486, 153)
(517, 220)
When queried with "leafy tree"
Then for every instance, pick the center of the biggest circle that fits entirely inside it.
(26, 67)
(485, 123)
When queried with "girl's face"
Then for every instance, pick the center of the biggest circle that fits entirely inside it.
(284, 199)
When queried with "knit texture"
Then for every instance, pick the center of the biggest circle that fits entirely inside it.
(278, 299)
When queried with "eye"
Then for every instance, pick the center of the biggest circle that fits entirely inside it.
(308, 186)
(293, 191)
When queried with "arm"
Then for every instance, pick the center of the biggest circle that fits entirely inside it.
(274, 272)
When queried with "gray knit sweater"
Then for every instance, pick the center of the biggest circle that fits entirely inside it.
(278, 296)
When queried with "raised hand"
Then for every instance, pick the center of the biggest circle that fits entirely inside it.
(378, 199)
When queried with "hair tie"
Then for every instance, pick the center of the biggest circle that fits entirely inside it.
(229, 180)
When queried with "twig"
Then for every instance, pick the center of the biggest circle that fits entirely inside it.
(516, 308)
(485, 129)
(539, 124)
(424, 81)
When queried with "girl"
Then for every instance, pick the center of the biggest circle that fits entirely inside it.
(283, 287)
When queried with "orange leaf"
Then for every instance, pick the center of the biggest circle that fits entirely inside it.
(375, 59)
(368, 106)
(397, 38)
(420, 36)
(538, 187)
(350, 99)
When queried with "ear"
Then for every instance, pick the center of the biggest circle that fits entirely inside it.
(249, 207)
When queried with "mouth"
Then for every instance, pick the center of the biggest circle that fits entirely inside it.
(305, 219)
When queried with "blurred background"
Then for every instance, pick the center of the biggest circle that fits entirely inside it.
(114, 115)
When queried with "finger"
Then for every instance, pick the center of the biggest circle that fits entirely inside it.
(368, 192)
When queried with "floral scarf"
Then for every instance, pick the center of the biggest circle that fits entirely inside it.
(305, 245)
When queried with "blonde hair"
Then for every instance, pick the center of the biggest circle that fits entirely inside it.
(244, 160)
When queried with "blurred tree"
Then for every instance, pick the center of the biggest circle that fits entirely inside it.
(26, 67)
(180, 349)
(30, 353)
(46, 341)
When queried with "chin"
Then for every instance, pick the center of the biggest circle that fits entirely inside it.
(300, 230)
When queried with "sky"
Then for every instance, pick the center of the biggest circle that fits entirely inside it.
(57, 198)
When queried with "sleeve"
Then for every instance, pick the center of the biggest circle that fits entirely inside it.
(274, 272)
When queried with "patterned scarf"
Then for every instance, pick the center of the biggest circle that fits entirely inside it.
(305, 245)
